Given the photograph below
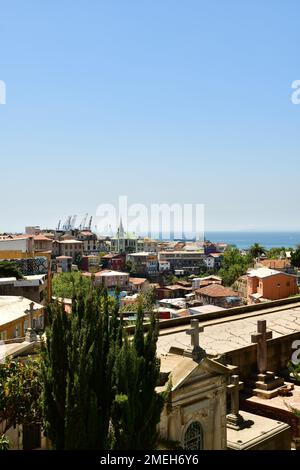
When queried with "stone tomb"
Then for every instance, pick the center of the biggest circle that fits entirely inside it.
(261, 434)
(248, 431)
(195, 416)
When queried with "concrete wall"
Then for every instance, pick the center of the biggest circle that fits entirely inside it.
(279, 354)
(23, 245)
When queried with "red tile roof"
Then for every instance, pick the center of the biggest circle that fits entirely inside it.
(216, 290)
(42, 238)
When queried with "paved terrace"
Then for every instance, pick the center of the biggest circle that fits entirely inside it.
(233, 332)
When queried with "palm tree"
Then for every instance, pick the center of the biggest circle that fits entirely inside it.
(256, 250)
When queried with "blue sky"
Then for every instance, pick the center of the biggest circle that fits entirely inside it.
(163, 101)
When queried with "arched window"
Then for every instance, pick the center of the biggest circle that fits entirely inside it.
(193, 438)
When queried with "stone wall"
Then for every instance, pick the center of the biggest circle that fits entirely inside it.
(279, 354)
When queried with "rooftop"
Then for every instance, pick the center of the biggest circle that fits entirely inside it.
(217, 290)
(205, 309)
(262, 272)
(105, 272)
(27, 281)
(215, 255)
(143, 253)
(13, 307)
(137, 280)
(183, 252)
(227, 334)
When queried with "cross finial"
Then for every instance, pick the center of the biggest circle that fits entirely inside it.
(30, 334)
(195, 351)
(30, 312)
(194, 332)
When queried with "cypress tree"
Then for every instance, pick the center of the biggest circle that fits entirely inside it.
(54, 370)
(78, 358)
(99, 386)
(137, 406)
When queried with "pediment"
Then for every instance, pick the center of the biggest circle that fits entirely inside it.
(183, 369)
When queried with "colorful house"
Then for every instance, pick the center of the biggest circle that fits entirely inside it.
(269, 284)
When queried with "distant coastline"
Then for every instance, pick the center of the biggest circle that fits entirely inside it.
(243, 240)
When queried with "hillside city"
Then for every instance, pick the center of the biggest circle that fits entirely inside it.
(240, 308)
(149, 233)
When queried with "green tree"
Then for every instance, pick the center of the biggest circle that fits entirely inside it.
(295, 257)
(98, 387)
(277, 252)
(19, 393)
(129, 267)
(4, 442)
(137, 406)
(256, 250)
(10, 269)
(77, 362)
(54, 371)
(233, 266)
(65, 285)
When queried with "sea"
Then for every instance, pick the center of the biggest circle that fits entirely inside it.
(243, 240)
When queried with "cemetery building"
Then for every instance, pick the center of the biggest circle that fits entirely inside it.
(254, 346)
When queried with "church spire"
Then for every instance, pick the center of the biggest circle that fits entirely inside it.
(121, 229)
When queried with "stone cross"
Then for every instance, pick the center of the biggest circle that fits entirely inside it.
(196, 352)
(30, 312)
(261, 338)
(194, 332)
(30, 333)
(234, 419)
(234, 388)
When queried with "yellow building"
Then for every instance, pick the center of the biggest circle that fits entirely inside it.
(15, 319)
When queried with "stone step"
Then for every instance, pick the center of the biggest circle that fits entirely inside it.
(277, 382)
(267, 394)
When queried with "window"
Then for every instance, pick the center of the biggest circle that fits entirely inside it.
(2, 335)
(17, 331)
(193, 439)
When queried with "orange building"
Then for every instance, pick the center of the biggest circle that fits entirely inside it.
(269, 284)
